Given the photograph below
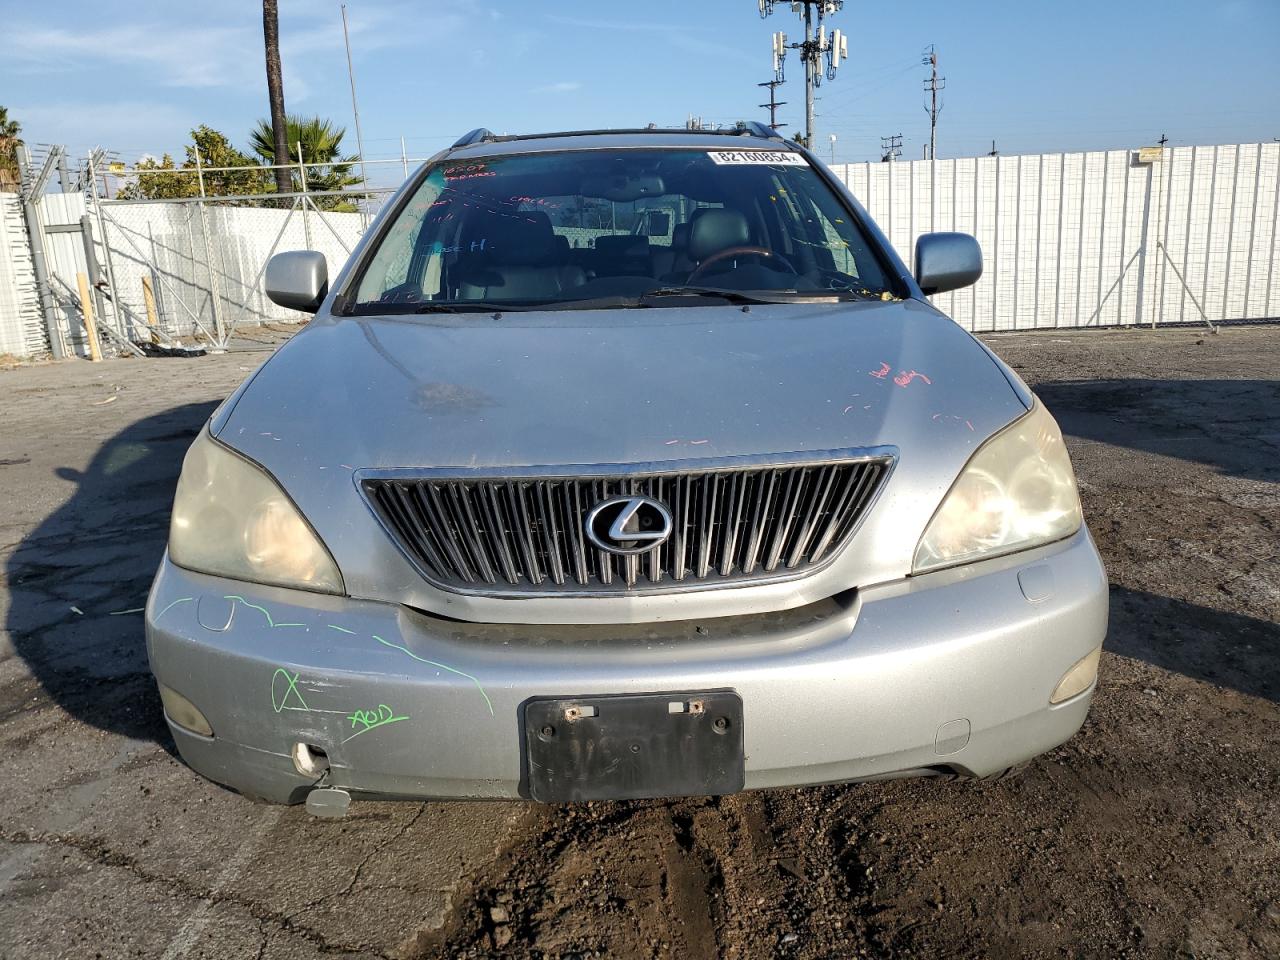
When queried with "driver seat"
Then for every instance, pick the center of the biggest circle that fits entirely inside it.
(710, 231)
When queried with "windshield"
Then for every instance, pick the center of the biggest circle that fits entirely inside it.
(618, 228)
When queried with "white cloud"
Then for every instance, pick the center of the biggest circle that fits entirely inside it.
(617, 26)
(700, 41)
(172, 56)
(227, 53)
(132, 127)
(564, 86)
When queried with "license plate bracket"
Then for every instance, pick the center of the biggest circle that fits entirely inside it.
(633, 746)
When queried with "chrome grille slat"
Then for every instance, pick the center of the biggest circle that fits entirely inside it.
(814, 515)
(550, 531)
(847, 496)
(523, 531)
(430, 498)
(459, 502)
(654, 488)
(570, 508)
(397, 498)
(499, 530)
(522, 535)
(759, 514)
(786, 513)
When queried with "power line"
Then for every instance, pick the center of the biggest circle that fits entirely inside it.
(773, 103)
(934, 85)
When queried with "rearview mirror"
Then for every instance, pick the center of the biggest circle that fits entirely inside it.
(298, 279)
(947, 261)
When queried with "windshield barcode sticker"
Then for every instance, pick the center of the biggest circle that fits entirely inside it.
(757, 156)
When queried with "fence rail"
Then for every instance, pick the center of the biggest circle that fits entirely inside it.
(1070, 240)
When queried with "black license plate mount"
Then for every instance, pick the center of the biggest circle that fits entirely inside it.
(634, 746)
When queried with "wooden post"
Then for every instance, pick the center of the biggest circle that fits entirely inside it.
(90, 325)
(149, 298)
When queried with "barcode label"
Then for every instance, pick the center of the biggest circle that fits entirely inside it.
(772, 157)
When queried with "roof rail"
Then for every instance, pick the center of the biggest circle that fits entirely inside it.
(758, 129)
(477, 135)
(752, 128)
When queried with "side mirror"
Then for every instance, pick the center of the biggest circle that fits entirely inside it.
(298, 279)
(947, 261)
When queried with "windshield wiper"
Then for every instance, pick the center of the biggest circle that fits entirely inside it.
(744, 297)
(732, 296)
(470, 306)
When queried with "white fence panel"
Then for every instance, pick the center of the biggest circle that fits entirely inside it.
(21, 325)
(1079, 239)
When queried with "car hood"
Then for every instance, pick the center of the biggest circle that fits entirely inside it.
(642, 386)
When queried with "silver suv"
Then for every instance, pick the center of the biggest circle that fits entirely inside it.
(623, 464)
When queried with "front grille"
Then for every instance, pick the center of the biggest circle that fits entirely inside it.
(524, 535)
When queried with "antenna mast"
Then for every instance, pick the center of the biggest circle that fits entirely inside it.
(834, 46)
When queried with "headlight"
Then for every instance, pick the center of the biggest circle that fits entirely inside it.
(231, 519)
(1017, 491)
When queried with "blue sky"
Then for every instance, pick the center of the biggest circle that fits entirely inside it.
(1032, 75)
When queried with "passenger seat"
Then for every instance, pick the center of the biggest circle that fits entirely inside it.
(514, 256)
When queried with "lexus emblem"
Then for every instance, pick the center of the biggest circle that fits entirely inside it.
(628, 525)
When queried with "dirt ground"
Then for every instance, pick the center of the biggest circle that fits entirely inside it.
(1155, 832)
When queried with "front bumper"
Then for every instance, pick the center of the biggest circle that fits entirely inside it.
(949, 671)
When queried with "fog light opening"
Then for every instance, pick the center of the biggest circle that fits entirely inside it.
(310, 760)
(183, 713)
(1079, 678)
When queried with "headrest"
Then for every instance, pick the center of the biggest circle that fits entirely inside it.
(715, 230)
(522, 238)
(680, 237)
(622, 245)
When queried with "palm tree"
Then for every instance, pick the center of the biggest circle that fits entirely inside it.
(321, 143)
(9, 130)
(275, 91)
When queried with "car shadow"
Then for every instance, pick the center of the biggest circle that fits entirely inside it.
(79, 580)
(1212, 646)
(1230, 425)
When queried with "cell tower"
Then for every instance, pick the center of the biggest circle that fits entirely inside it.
(833, 46)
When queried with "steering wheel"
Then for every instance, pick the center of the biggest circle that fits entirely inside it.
(743, 251)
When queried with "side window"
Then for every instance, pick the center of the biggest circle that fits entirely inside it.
(817, 238)
(835, 247)
(400, 266)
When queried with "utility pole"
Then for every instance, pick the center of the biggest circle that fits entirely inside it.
(994, 152)
(890, 148)
(833, 149)
(355, 110)
(934, 85)
(1162, 141)
(773, 103)
(834, 46)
